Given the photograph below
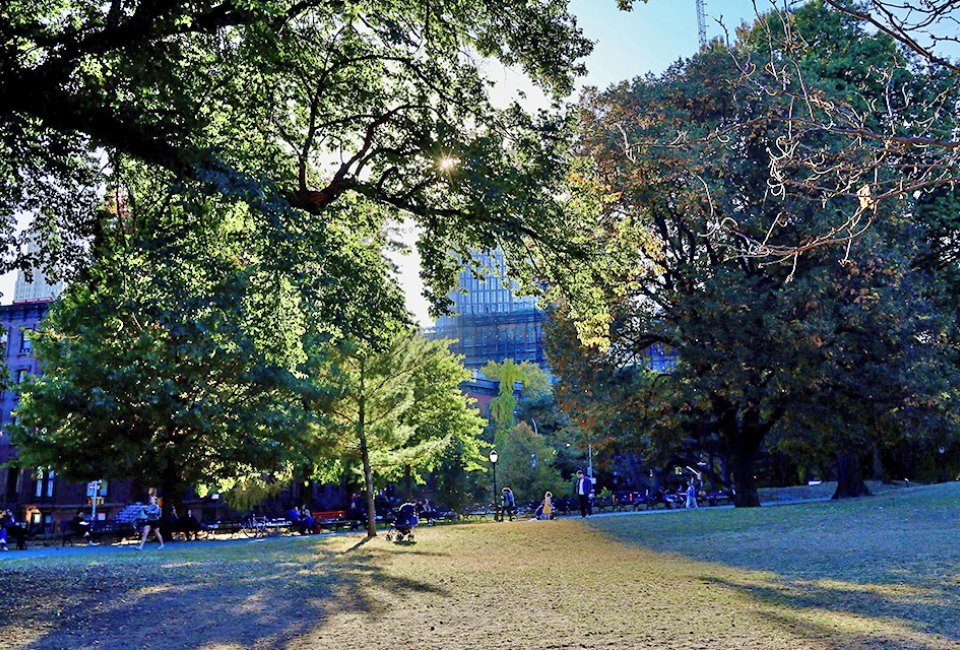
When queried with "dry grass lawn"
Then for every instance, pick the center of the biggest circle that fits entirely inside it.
(879, 573)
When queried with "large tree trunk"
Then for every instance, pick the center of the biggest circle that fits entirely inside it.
(408, 482)
(367, 471)
(170, 488)
(849, 477)
(745, 487)
(744, 437)
(878, 472)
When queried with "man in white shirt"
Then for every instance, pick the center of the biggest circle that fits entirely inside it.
(583, 489)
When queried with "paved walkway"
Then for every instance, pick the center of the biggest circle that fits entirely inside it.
(174, 547)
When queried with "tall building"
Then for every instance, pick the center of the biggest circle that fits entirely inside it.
(489, 322)
(38, 287)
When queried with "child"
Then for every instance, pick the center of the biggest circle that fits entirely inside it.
(546, 508)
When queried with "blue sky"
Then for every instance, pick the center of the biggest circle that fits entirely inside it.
(652, 36)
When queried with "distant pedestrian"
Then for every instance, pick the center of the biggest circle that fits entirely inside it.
(692, 495)
(190, 525)
(583, 488)
(509, 503)
(152, 512)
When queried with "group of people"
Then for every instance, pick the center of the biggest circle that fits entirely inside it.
(301, 518)
(10, 529)
(582, 488)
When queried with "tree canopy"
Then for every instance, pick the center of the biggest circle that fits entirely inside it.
(173, 362)
(293, 107)
(756, 342)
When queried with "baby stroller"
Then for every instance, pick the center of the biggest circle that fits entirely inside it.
(404, 524)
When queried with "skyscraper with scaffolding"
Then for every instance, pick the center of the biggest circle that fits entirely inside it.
(489, 322)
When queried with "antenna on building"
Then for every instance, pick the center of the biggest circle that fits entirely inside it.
(701, 24)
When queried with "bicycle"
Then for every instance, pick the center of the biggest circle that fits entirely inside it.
(262, 526)
(254, 526)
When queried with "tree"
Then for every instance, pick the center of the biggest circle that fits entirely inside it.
(293, 107)
(395, 409)
(535, 380)
(869, 92)
(526, 464)
(446, 424)
(173, 362)
(755, 341)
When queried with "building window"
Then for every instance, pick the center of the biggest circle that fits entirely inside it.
(43, 482)
(13, 484)
(21, 375)
(26, 344)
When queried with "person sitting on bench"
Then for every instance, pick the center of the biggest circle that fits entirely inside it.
(306, 521)
(10, 529)
(78, 527)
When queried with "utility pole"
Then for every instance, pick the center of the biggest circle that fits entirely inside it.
(701, 24)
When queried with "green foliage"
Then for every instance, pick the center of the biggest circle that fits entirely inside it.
(390, 412)
(297, 108)
(535, 380)
(173, 361)
(526, 464)
(826, 347)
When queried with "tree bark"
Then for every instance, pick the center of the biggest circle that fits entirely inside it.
(878, 473)
(745, 487)
(408, 482)
(743, 436)
(849, 476)
(365, 456)
(169, 487)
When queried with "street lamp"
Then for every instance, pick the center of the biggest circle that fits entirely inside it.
(494, 457)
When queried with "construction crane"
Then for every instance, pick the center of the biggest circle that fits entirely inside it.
(701, 24)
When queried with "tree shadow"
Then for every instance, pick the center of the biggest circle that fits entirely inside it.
(921, 620)
(831, 569)
(197, 598)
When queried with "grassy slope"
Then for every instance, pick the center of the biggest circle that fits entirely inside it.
(879, 573)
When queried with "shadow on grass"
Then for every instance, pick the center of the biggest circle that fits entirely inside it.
(189, 600)
(915, 618)
(886, 559)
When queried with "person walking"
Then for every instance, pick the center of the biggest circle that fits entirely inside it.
(692, 495)
(509, 503)
(583, 489)
(152, 513)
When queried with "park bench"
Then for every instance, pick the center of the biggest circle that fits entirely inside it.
(102, 531)
(332, 520)
(476, 512)
(718, 497)
(603, 504)
(225, 527)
